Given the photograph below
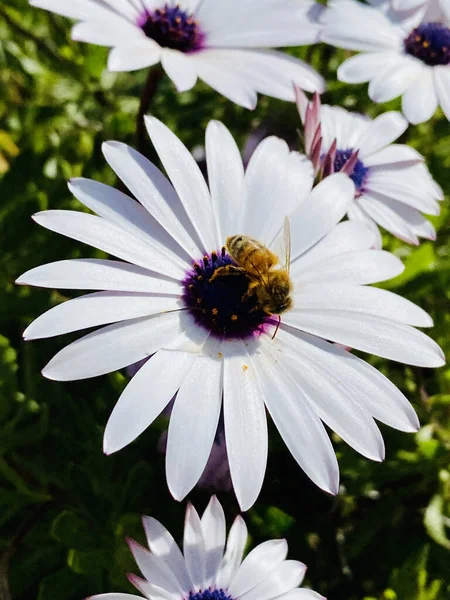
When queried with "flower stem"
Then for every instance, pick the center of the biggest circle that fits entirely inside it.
(155, 75)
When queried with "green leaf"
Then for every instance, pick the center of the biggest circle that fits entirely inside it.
(434, 521)
(72, 531)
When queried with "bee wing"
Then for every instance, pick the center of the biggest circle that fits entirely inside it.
(287, 244)
(261, 274)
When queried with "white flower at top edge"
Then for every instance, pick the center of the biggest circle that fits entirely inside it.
(218, 353)
(221, 42)
(401, 55)
(212, 567)
(425, 7)
(392, 183)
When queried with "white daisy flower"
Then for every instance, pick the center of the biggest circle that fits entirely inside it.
(401, 55)
(212, 567)
(392, 183)
(219, 352)
(219, 42)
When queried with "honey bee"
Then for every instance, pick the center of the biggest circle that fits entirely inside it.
(269, 281)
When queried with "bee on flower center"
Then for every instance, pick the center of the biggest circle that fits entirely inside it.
(269, 281)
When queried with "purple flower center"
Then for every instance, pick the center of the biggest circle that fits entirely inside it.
(359, 172)
(430, 43)
(172, 27)
(210, 595)
(220, 305)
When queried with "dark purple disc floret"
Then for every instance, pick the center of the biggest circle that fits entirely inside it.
(359, 171)
(172, 27)
(221, 305)
(430, 43)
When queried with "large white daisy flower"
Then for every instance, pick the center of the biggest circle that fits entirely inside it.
(218, 353)
(401, 55)
(211, 566)
(392, 182)
(218, 41)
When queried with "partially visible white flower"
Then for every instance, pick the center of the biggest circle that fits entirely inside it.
(212, 567)
(427, 8)
(219, 42)
(402, 55)
(392, 183)
(210, 340)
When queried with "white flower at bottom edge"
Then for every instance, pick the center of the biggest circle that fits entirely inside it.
(392, 183)
(401, 55)
(221, 42)
(219, 350)
(211, 567)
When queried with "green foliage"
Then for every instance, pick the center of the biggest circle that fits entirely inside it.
(65, 508)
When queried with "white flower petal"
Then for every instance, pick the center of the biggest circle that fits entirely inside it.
(369, 333)
(360, 299)
(113, 347)
(332, 397)
(263, 180)
(419, 102)
(345, 237)
(369, 388)
(325, 207)
(299, 426)
(245, 424)
(411, 191)
(194, 548)
(352, 268)
(147, 394)
(162, 544)
(216, 72)
(442, 82)
(214, 533)
(353, 33)
(237, 539)
(302, 594)
(286, 576)
(386, 216)
(395, 155)
(179, 68)
(97, 309)
(395, 78)
(104, 33)
(110, 238)
(275, 24)
(154, 192)
(79, 9)
(98, 274)
(133, 56)
(190, 438)
(114, 596)
(257, 565)
(363, 67)
(226, 177)
(126, 213)
(154, 569)
(188, 181)
(380, 132)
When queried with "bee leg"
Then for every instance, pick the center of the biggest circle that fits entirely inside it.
(278, 326)
(249, 293)
(227, 270)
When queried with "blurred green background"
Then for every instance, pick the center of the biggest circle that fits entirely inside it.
(65, 508)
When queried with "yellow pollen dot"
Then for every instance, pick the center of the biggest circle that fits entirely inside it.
(417, 38)
(199, 300)
(234, 317)
(244, 368)
(177, 19)
(215, 312)
(425, 44)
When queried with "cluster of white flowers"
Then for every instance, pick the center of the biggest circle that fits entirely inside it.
(245, 296)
